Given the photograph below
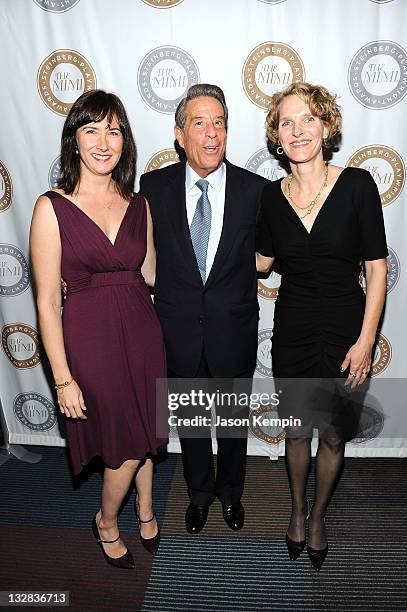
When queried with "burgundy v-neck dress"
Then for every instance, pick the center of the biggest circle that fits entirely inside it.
(112, 336)
(320, 305)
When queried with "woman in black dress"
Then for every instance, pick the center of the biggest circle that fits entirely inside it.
(319, 223)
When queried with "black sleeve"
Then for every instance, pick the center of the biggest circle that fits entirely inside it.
(371, 223)
(142, 185)
(264, 242)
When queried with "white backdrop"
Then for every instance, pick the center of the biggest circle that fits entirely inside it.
(149, 52)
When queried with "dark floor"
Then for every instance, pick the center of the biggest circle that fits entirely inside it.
(46, 543)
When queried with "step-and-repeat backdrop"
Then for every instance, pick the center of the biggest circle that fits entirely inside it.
(150, 52)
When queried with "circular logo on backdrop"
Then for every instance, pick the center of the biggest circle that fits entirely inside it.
(393, 269)
(21, 345)
(263, 364)
(269, 67)
(54, 173)
(265, 164)
(14, 271)
(163, 158)
(6, 188)
(259, 423)
(382, 355)
(56, 6)
(268, 288)
(62, 77)
(377, 74)
(163, 3)
(386, 167)
(371, 420)
(35, 411)
(163, 77)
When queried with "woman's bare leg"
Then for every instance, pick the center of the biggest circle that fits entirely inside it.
(144, 486)
(116, 483)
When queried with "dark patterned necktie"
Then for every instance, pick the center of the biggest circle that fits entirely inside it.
(201, 227)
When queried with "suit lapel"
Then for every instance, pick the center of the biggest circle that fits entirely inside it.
(179, 219)
(231, 219)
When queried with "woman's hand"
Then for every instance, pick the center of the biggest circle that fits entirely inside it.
(358, 360)
(71, 402)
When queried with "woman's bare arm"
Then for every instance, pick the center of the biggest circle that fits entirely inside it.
(359, 355)
(45, 248)
(263, 264)
(148, 267)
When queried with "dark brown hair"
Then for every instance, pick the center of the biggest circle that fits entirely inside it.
(94, 106)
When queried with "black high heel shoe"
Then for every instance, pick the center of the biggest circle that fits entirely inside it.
(295, 547)
(317, 557)
(150, 544)
(126, 561)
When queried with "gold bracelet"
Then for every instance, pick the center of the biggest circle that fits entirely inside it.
(60, 386)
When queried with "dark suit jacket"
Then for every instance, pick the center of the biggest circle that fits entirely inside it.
(221, 316)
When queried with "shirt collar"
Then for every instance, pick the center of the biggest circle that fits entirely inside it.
(214, 178)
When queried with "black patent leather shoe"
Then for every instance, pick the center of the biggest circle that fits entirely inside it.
(234, 516)
(317, 557)
(126, 561)
(195, 518)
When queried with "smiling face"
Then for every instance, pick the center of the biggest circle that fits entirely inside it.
(100, 146)
(204, 135)
(299, 131)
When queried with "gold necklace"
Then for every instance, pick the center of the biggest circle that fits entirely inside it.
(311, 205)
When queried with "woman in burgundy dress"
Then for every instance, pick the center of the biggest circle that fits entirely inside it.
(107, 350)
(319, 223)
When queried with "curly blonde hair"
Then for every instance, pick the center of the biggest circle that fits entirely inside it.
(321, 103)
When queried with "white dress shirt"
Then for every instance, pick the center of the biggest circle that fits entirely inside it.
(216, 195)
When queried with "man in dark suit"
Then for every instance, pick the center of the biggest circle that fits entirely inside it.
(204, 213)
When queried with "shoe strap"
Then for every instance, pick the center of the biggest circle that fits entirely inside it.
(149, 520)
(108, 541)
(100, 541)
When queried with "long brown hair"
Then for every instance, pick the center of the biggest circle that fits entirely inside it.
(94, 106)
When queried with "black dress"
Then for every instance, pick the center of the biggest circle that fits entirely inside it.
(320, 306)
